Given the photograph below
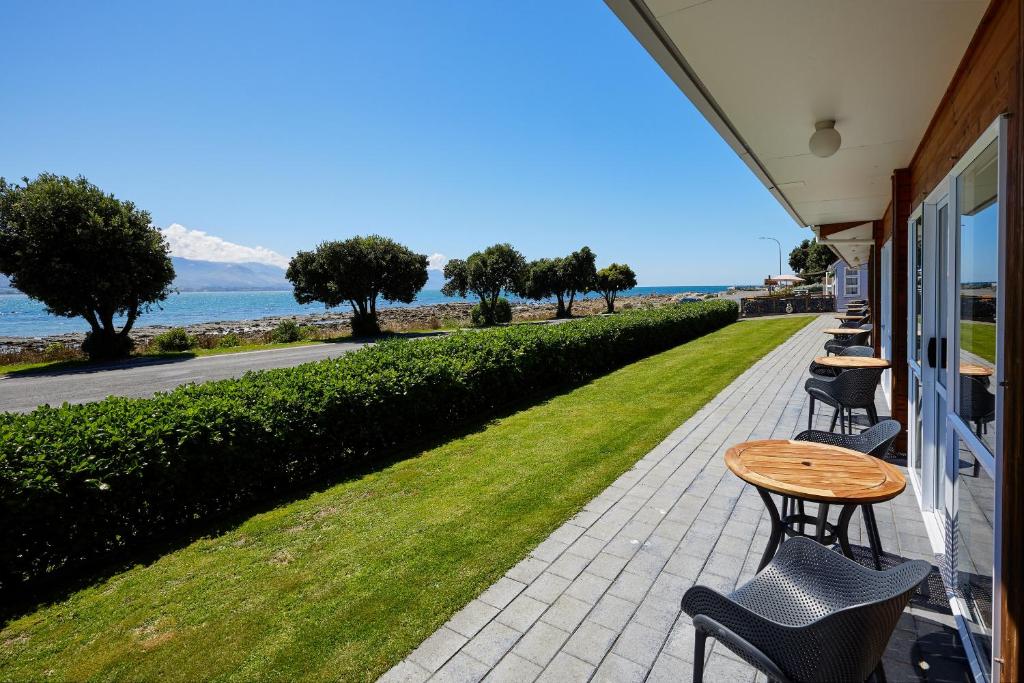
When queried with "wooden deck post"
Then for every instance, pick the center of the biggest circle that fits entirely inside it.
(900, 297)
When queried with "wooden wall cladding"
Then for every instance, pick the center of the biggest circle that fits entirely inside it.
(984, 86)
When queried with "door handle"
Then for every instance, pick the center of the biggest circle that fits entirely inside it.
(931, 352)
(945, 352)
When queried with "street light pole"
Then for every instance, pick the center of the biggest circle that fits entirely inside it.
(779, 244)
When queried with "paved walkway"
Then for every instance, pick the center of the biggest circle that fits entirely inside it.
(599, 599)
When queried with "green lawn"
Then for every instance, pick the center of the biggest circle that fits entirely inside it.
(979, 339)
(342, 584)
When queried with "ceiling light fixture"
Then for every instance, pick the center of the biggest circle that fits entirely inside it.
(826, 139)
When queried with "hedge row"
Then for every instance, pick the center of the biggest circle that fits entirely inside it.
(77, 482)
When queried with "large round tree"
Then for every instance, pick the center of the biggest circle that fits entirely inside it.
(83, 253)
(562, 278)
(613, 279)
(498, 268)
(358, 271)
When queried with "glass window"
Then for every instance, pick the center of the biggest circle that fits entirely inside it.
(975, 551)
(978, 265)
(918, 284)
(918, 435)
(853, 284)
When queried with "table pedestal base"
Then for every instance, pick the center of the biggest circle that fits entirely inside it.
(825, 532)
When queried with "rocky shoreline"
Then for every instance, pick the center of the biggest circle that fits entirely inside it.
(432, 316)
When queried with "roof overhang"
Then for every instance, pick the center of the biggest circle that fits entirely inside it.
(763, 73)
(850, 243)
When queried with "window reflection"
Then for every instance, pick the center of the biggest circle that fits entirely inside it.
(918, 284)
(978, 287)
(918, 443)
(975, 552)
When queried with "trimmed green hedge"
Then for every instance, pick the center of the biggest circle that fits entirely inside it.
(78, 482)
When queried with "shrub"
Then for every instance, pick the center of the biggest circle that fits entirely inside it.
(285, 332)
(502, 313)
(55, 350)
(80, 481)
(228, 341)
(174, 339)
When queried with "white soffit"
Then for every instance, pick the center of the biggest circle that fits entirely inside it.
(853, 245)
(764, 72)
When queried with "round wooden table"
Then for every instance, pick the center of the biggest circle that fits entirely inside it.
(842, 330)
(847, 316)
(975, 370)
(806, 471)
(847, 362)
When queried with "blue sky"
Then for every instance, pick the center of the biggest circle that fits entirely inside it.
(446, 125)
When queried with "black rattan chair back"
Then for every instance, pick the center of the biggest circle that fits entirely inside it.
(810, 615)
(874, 441)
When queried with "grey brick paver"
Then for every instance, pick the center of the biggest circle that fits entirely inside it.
(513, 669)
(616, 669)
(471, 618)
(566, 669)
(503, 592)
(492, 643)
(461, 669)
(590, 642)
(541, 643)
(599, 598)
(521, 613)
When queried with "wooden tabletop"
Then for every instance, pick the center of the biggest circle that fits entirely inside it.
(843, 330)
(845, 316)
(975, 370)
(812, 471)
(852, 362)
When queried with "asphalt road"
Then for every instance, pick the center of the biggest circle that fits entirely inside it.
(145, 377)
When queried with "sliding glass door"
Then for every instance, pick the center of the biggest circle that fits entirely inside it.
(956, 262)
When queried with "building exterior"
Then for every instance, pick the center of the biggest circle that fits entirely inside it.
(847, 283)
(892, 130)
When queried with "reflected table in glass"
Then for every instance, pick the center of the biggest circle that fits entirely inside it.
(848, 362)
(823, 474)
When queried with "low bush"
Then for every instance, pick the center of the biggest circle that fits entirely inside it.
(228, 341)
(502, 313)
(174, 339)
(80, 481)
(285, 332)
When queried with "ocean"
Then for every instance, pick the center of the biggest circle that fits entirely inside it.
(21, 316)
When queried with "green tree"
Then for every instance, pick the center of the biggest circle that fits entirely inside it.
(562, 278)
(486, 274)
(613, 279)
(84, 254)
(358, 271)
(810, 259)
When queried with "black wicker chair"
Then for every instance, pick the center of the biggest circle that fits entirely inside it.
(977, 405)
(810, 615)
(837, 345)
(825, 371)
(851, 390)
(874, 441)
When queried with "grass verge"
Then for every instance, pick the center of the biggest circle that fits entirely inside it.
(343, 583)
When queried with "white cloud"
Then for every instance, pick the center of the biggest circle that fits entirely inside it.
(436, 261)
(196, 244)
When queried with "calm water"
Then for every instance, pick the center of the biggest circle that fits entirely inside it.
(20, 316)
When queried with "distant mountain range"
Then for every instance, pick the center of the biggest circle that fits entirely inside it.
(213, 276)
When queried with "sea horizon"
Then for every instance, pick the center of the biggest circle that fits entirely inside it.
(22, 316)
